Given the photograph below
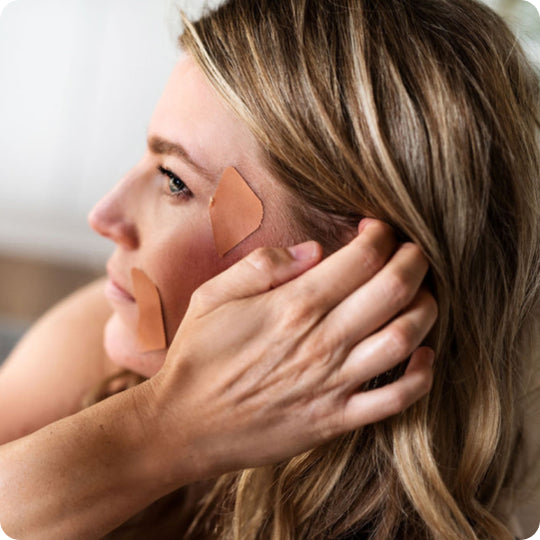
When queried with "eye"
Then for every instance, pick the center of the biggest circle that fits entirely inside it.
(176, 185)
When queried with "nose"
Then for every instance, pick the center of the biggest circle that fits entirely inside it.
(110, 218)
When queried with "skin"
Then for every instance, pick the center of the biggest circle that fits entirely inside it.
(284, 378)
(287, 372)
(170, 237)
(58, 362)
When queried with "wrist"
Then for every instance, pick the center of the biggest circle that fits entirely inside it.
(169, 431)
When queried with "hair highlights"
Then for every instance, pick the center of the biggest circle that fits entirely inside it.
(423, 114)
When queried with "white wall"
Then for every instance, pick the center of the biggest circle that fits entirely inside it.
(78, 83)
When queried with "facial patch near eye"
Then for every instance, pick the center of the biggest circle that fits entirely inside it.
(151, 326)
(235, 211)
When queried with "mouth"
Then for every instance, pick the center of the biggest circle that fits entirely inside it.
(115, 291)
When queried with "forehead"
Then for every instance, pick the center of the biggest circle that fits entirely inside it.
(192, 113)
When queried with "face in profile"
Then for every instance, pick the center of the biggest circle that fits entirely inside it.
(158, 216)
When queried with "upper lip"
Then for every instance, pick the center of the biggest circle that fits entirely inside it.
(118, 282)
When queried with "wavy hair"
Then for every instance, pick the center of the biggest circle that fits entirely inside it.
(423, 114)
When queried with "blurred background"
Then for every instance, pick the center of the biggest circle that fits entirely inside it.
(78, 83)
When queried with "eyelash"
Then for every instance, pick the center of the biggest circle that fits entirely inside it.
(184, 190)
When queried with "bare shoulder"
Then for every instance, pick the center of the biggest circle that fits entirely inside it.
(55, 364)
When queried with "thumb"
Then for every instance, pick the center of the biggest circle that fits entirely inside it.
(262, 270)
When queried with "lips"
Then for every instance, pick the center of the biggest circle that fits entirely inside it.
(115, 290)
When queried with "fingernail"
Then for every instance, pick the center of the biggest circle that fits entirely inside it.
(362, 224)
(366, 222)
(303, 252)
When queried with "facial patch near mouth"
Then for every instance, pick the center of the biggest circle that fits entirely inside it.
(151, 334)
(235, 211)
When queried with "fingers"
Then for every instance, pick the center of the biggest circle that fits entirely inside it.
(393, 344)
(263, 269)
(379, 300)
(369, 407)
(267, 268)
(326, 285)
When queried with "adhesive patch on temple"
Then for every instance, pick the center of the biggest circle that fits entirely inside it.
(151, 326)
(235, 211)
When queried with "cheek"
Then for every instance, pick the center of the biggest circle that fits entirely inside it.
(184, 262)
(180, 272)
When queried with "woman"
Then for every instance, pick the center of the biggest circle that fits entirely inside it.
(421, 114)
(315, 339)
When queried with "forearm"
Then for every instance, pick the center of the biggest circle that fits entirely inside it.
(281, 380)
(82, 476)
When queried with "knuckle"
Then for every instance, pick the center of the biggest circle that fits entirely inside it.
(402, 339)
(266, 260)
(295, 314)
(399, 400)
(403, 397)
(323, 352)
(372, 259)
(326, 420)
(399, 290)
(416, 256)
(426, 301)
(196, 296)
(303, 297)
(426, 382)
(199, 295)
(422, 385)
(326, 431)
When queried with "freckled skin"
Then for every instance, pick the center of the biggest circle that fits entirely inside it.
(170, 238)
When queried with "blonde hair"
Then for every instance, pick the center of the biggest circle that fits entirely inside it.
(423, 114)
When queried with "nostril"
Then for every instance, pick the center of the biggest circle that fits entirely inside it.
(125, 233)
(119, 231)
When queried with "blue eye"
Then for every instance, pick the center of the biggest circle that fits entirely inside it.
(176, 185)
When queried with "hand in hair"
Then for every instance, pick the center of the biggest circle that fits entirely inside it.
(267, 364)
(286, 376)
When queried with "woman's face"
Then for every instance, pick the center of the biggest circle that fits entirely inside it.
(164, 228)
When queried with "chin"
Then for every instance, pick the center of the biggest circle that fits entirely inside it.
(120, 344)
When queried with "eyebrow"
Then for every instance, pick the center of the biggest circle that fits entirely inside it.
(161, 146)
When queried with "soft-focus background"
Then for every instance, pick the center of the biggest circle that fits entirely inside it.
(78, 83)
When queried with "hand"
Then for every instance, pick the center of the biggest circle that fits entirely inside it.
(271, 356)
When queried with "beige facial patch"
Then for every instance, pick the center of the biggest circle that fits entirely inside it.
(151, 326)
(235, 211)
